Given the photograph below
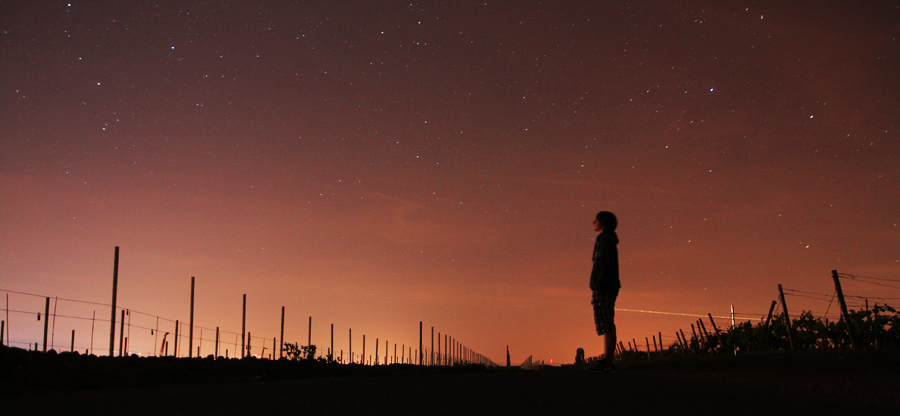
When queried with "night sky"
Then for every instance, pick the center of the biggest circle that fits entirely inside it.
(377, 164)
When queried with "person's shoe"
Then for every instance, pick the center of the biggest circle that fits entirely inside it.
(603, 367)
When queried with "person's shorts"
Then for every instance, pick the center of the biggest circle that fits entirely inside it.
(604, 304)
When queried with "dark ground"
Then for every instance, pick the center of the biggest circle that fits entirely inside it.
(801, 383)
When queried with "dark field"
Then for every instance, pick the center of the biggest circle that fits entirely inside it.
(801, 383)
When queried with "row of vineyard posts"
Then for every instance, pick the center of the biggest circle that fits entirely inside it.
(875, 328)
(447, 352)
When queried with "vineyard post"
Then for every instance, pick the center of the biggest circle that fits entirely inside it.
(765, 334)
(787, 317)
(431, 362)
(112, 319)
(46, 321)
(309, 334)
(648, 347)
(385, 352)
(72, 346)
(715, 328)
(655, 348)
(351, 345)
(377, 343)
(660, 342)
(332, 342)
(732, 317)
(2, 328)
(217, 344)
(281, 344)
(244, 326)
(191, 333)
(703, 328)
(176, 339)
(684, 339)
(362, 357)
(844, 313)
(420, 343)
(695, 334)
(122, 334)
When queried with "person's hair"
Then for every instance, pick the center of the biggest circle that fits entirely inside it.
(608, 219)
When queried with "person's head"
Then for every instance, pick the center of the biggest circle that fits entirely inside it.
(605, 221)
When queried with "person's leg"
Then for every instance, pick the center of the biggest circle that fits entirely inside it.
(609, 346)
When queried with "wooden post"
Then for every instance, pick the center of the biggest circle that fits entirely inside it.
(765, 334)
(655, 349)
(112, 319)
(648, 347)
(122, 334)
(432, 347)
(244, 326)
(72, 345)
(351, 345)
(377, 342)
(217, 344)
(249, 349)
(715, 328)
(420, 343)
(2, 331)
(176, 338)
(362, 358)
(332, 342)
(844, 313)
(660, 342)
(46, 322)
(309, 334)
(684, 339)
(281, 345)
(703, 328)
(272, 355)
(385, 352)
(191, 331)
(787, 317)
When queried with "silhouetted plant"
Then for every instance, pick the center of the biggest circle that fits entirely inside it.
(299, 353)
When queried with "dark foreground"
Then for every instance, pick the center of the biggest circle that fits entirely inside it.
(806, 383)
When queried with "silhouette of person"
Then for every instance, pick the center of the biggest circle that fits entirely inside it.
(605, 287)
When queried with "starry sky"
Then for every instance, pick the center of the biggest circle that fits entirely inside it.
(377, 164)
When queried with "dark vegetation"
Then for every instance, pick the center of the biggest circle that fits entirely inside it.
(875, 329)
(32, 372)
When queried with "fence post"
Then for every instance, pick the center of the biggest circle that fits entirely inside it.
(377, 342)
(176, 339)
(46, 322)
(787, 317)
(191, 332)
(216, 356)
(122, 335)
(281, 345)
(432, 347)
(244, 326)
(715, 328)
(309, 334)
(362, 357)
(420, 343)
(112, 319)
(765, 334)
(648, 347)
(72, 346)
(2, 331)
(844, 313)
(351, 345)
